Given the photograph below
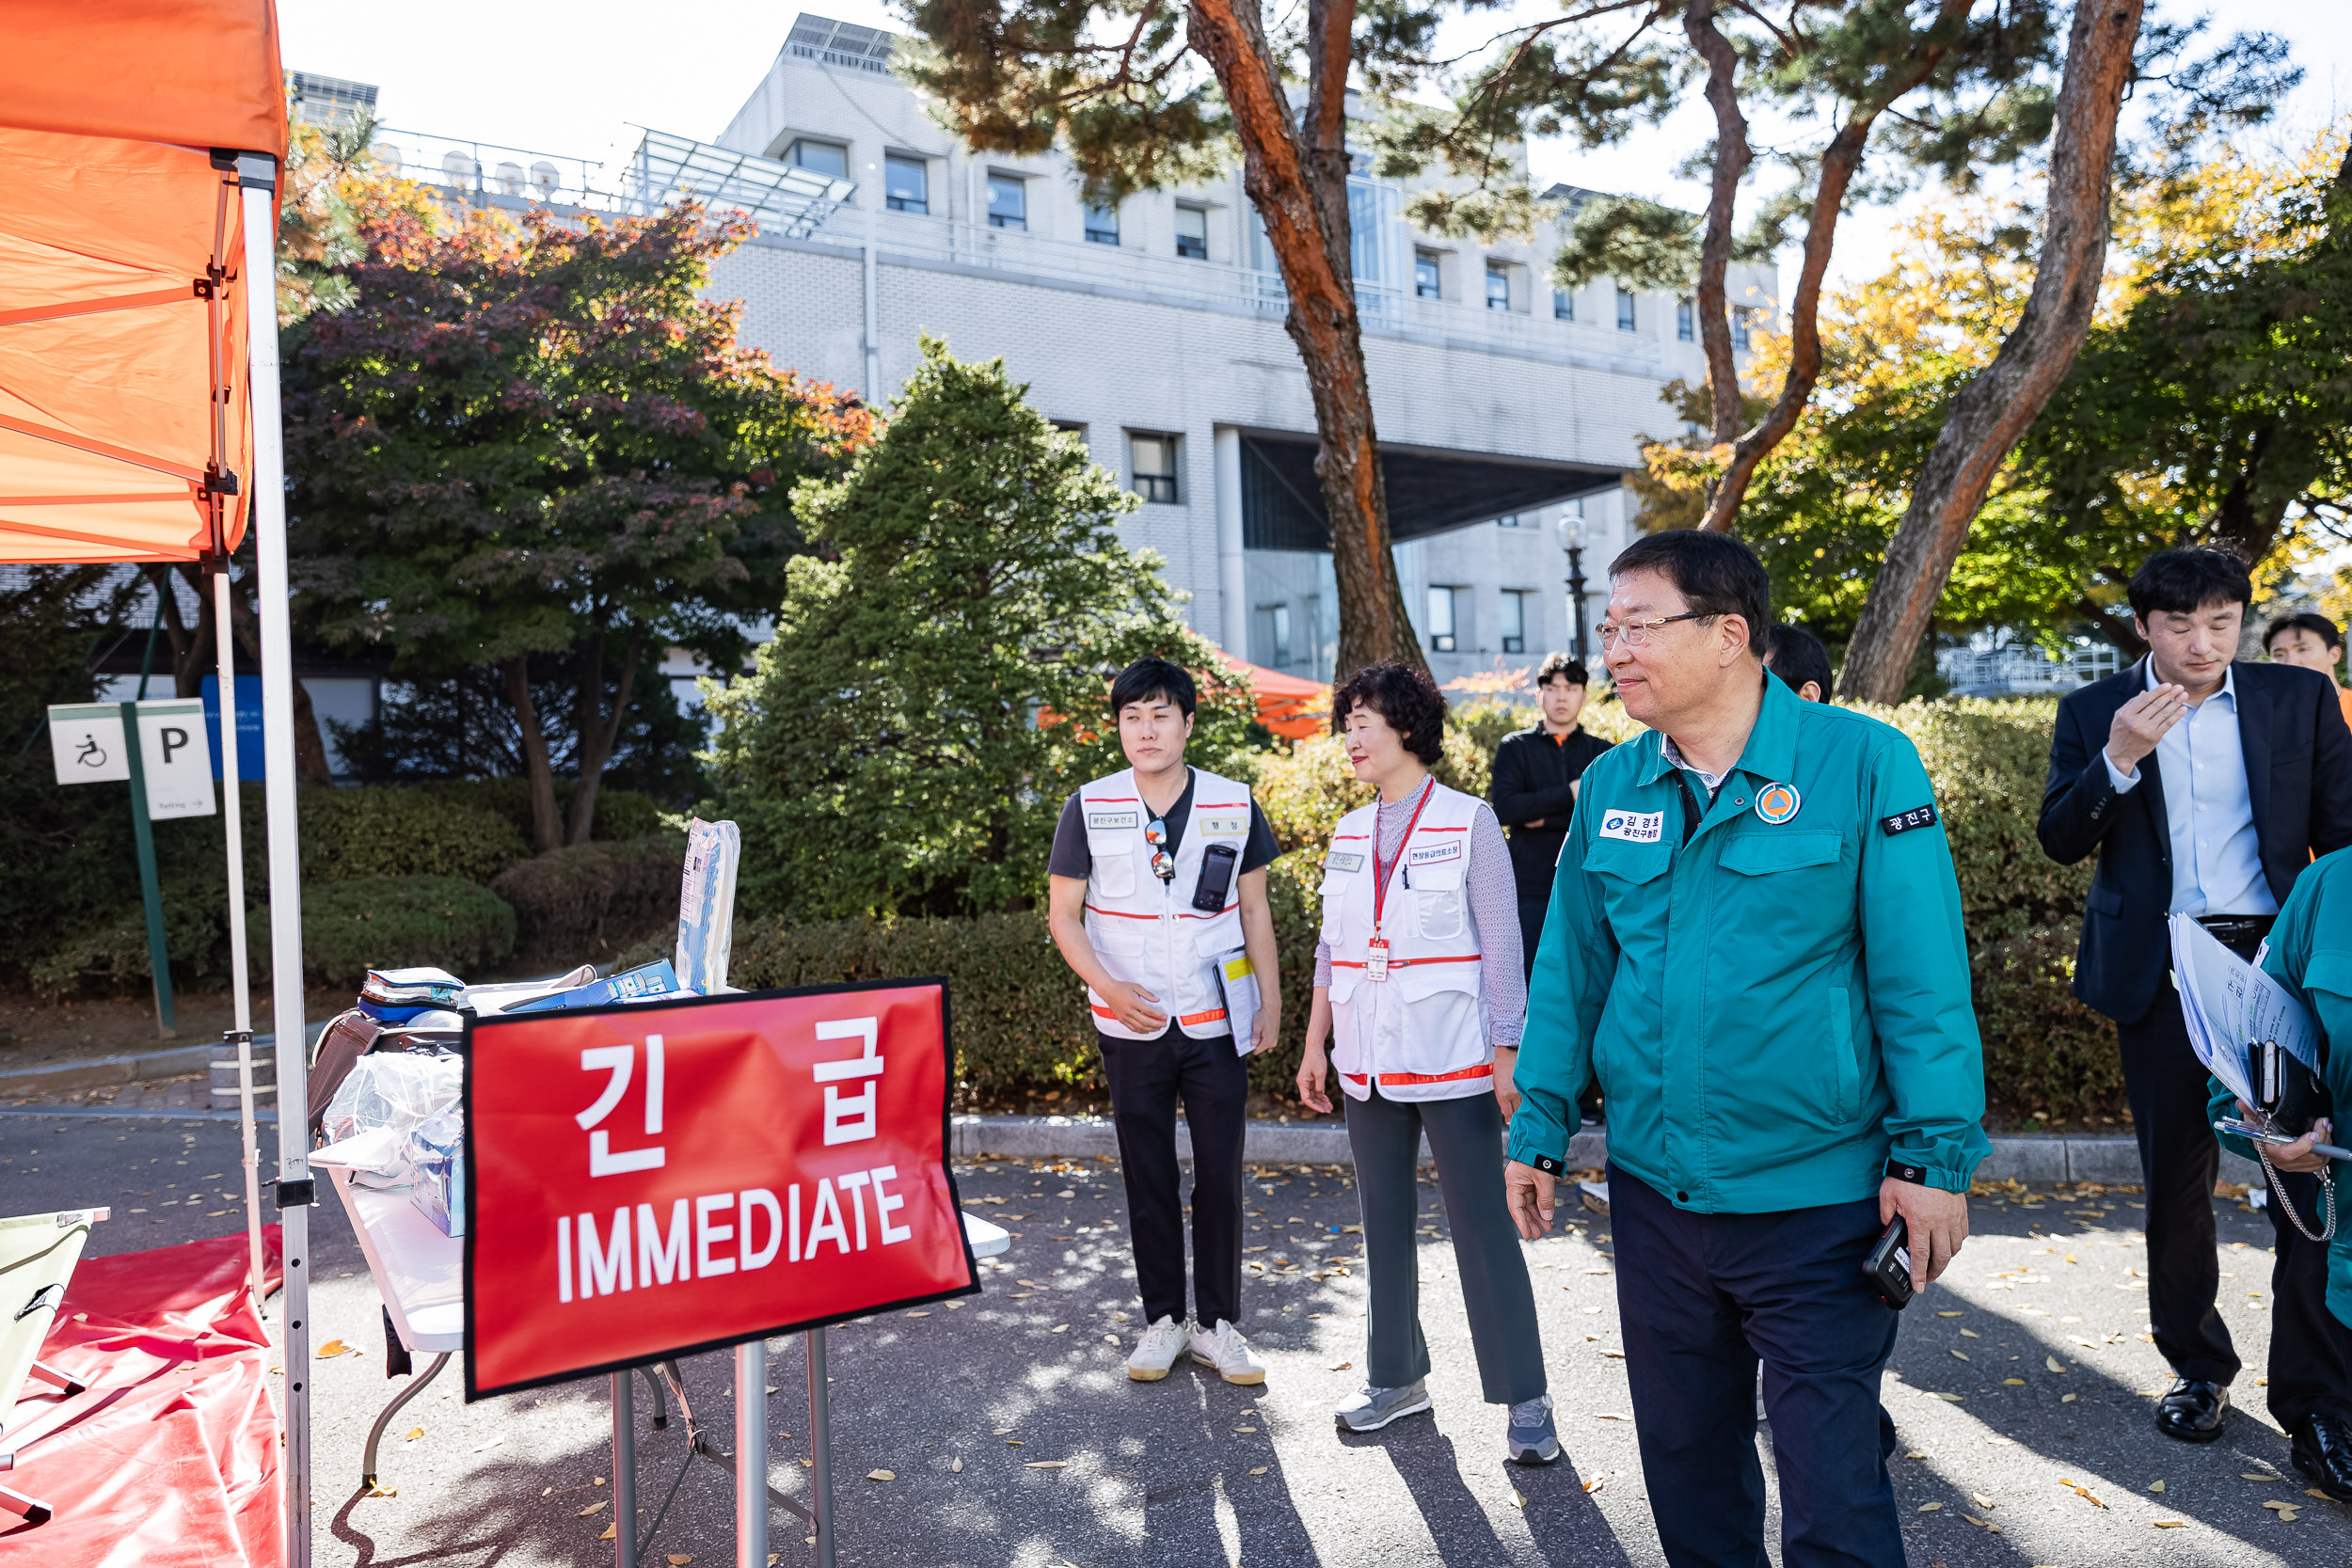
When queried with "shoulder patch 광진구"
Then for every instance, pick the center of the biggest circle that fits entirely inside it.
(1903, 821)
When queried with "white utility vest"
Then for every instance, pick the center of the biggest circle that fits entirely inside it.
(1146, 931)
(1420, 1033)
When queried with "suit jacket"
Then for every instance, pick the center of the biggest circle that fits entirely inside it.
(1531, 776)
(2298, 779)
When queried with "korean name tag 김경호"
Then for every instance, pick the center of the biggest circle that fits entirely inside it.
(670, 1177)
(1635, 827)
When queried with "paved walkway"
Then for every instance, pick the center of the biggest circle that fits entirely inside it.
(2005, 1459)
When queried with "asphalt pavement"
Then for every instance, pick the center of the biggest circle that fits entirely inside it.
(2022, 1391)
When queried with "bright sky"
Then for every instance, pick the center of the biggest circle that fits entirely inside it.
(565, 79)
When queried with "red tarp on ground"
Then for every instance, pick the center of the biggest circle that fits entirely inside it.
(174, 1460)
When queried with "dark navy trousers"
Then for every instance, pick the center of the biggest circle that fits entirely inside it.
(1703, 1299)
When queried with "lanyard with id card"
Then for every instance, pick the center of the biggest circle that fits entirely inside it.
(1376, 951)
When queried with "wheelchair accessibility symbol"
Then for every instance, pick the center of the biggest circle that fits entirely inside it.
(91, 754)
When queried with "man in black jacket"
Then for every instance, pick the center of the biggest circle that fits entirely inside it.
(1533, 788)
(2204, 785)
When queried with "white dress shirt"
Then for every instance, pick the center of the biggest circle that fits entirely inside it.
(2216, 858)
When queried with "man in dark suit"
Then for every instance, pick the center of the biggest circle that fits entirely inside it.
(1533, 788)
(2204, 785)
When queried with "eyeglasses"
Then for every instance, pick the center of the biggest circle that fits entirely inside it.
(1636, 633)
(1163, 863)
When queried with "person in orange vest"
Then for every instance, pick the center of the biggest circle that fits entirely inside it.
(2313, 643)
(1157, 900)
(1420, 989)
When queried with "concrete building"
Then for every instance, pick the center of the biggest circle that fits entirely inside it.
(1155, 329)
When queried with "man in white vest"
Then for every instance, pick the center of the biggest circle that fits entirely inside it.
(1159, 905)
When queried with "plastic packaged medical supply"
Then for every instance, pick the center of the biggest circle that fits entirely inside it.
(705, 916)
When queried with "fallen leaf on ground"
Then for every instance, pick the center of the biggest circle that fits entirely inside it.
(596, 1507)
(918, 1314)
(2155, 1487)
(1259, 1471)
(1058, 1328)
(1594, 1484)
(2249, 1475)
(2054, 1363)
(1518, 1499)
(1047, 1463)
(2314, 1492)
(679, 1560)
(333, 1348)
(2169, 1524)
(414, 1433)
(2012, 1382)
(1980, 1499)
(1949, 1398)
(610, 1532)
(2068, 1398)
(882, 1475)
(1960, 1356)
(485, 1448)
(1930, 1508)
(955, 1467)
(1610, 1416)
(1342, 1366)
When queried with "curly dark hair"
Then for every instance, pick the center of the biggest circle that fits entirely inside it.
(1404, 696)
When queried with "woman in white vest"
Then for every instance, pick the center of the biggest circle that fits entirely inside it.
(1158, 903)
(1420, 990)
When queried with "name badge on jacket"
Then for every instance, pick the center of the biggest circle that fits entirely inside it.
(1634, 827)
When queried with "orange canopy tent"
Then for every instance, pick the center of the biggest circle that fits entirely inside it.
(125, 425)
(138, 410)
(1292, 706)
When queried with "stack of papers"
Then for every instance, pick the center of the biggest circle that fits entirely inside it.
(2229, 1004)
(397, 995)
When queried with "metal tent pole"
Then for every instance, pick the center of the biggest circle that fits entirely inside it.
(625, 1470)
(751, 1454)
(820, 1444)
(241, 1030)
(257, 174)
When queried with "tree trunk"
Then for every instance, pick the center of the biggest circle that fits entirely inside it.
(601, 731)
(1994, 410)
(546, 826)
(1839, 162)
(1297, 181)
(1732, 155)
(310, 764)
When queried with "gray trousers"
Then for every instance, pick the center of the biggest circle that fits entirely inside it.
(1466, 1136)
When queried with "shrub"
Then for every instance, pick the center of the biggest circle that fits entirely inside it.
(390, 831)
(620, 813)
(594, 900)
(395, 922)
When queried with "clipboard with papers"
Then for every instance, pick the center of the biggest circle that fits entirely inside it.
(2241, 1023)
(1237, 983)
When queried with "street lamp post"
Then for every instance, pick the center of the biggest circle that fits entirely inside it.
(1572, 541)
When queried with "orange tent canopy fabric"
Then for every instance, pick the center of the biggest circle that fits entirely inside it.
(121, 383)
(1292, 706)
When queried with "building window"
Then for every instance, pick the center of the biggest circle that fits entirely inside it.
(1739, 328)
(1101, 224)
(1509, 519)
(1514, 620)
(1426, 277)
(1008, 201)
(1686, 320)
(1498, 286)
(1152, 461)
(1563, 305)
(1073, 427)
(1441, 620)
(1318, 652)
(1274, 634)
(1192, 232)
(907, 184)
(821, 157)
(1625, 308)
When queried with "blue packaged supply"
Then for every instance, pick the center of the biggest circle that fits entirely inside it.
(637, 985)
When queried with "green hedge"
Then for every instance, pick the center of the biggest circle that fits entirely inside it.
(400, 922)
(593, 901)
(72, 922)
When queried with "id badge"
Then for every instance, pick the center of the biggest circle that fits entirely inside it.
(1376, 959)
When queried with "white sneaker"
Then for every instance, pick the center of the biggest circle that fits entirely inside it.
(1225, 1348)
(1164, 1342)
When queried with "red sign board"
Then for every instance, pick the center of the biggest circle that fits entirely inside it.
(667, 1178)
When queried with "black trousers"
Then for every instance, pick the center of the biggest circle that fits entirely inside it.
(1703, 1300)
(1146, 1079)
(2311, 1353)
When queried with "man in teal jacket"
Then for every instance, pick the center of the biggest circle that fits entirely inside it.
(2310, 952)
(1755, 946)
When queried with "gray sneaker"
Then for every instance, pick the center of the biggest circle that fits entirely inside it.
(1531, 1437)
(1375, 1408)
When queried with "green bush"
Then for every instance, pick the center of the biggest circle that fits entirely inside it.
(620, 813)
(350, 927)
(595, 900)
(393, 831)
